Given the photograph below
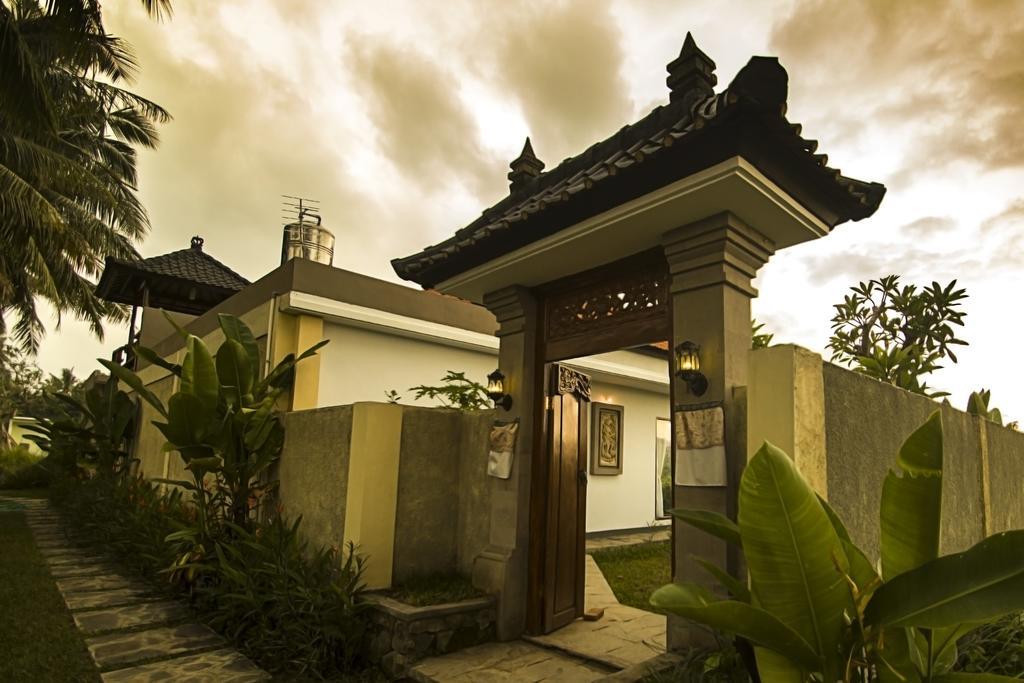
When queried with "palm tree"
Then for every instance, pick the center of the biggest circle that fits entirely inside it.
(68, 139)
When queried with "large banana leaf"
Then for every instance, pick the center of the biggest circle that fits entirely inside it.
(151, 356)
(736, 588)
(714, 523)
(199, 374)
(796, 560)
(235, 330)
(133, 381)
(978, 585)
(773, 667)
(912, 502)
(234, 370)
(753, 623)
(960, 677)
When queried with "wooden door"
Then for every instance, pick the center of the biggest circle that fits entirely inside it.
(567, 402)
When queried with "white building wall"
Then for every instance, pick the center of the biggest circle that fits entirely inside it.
(361, 364)
(628, 500)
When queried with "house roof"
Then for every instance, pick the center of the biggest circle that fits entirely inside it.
(695, 130)
(186, 281)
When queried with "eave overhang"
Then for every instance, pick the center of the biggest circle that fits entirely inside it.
(732, 186)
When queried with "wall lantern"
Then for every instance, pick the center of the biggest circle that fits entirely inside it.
(687, 356)
(496, 390)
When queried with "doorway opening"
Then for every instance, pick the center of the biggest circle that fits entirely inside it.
(600, 452)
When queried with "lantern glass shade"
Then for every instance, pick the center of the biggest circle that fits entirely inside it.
(687, 359)
(496, 385)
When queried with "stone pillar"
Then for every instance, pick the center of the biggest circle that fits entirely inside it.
(711, 264)
(503, 565)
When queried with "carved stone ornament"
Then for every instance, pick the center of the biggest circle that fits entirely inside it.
(569, 381)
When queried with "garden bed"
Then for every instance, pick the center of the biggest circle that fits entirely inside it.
(403, 634)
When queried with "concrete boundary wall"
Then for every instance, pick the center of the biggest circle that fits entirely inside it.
(844, 430)
(406, 484)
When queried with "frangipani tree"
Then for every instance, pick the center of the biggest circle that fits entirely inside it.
(817, 609)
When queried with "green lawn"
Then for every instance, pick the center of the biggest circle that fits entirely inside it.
(24, 493)
(38, 640)
(636, 571)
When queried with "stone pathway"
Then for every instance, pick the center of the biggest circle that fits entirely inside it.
(582, 651)
(660, 533)
(132, 635)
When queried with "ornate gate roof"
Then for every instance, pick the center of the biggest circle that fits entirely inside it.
(697, 129)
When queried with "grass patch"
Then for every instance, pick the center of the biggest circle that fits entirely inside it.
(38, 639)
(24, 493)
(636, 571)
(436, 589)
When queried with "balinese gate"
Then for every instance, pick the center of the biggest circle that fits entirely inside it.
(604, 309)
(701, 192)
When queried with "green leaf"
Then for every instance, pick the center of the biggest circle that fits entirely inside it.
(234, 369)
(135, 382)
(893, 659)
(773, 667)
(961, 677)
(981, 584)
(199, 374)
(792, 552)
(753, 623)
(188, 420)
(912, 502)
(714, 523)
(235, 330)
(151, 356)
(736, 588)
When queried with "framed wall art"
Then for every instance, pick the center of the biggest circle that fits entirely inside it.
(605, 439)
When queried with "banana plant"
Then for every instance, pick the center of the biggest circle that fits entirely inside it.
(817, 609)
(978, 404)
(222, 420)
(92, 432)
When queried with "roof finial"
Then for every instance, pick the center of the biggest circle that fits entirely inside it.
(197, 243)
(525, 168)
(691, 75)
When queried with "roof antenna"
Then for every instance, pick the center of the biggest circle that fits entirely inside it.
(303, 235)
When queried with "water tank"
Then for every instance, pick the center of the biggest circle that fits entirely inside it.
(307, 239)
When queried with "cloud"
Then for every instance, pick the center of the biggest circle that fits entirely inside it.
(562, 62)
(420, 122)
(949, 77)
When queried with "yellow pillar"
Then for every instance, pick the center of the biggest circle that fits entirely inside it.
(294, 334)
(372, 497)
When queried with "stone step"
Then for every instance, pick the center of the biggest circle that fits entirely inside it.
(223, 666)
(69, 571)
(118, 650)
(130, 616)
(508, 661)
(111, 598)
(88, 584)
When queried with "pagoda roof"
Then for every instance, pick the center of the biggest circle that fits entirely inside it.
(185, 281)
(697, 129)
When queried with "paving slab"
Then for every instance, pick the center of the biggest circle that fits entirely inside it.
(122, 649)
(111, 598)
(222, 666)
(68, 549)
(129, 616)
(67, 571)
(87, 584)
(514, 661)
(75, 559)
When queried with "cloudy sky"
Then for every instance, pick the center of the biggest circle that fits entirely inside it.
(401, 117)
